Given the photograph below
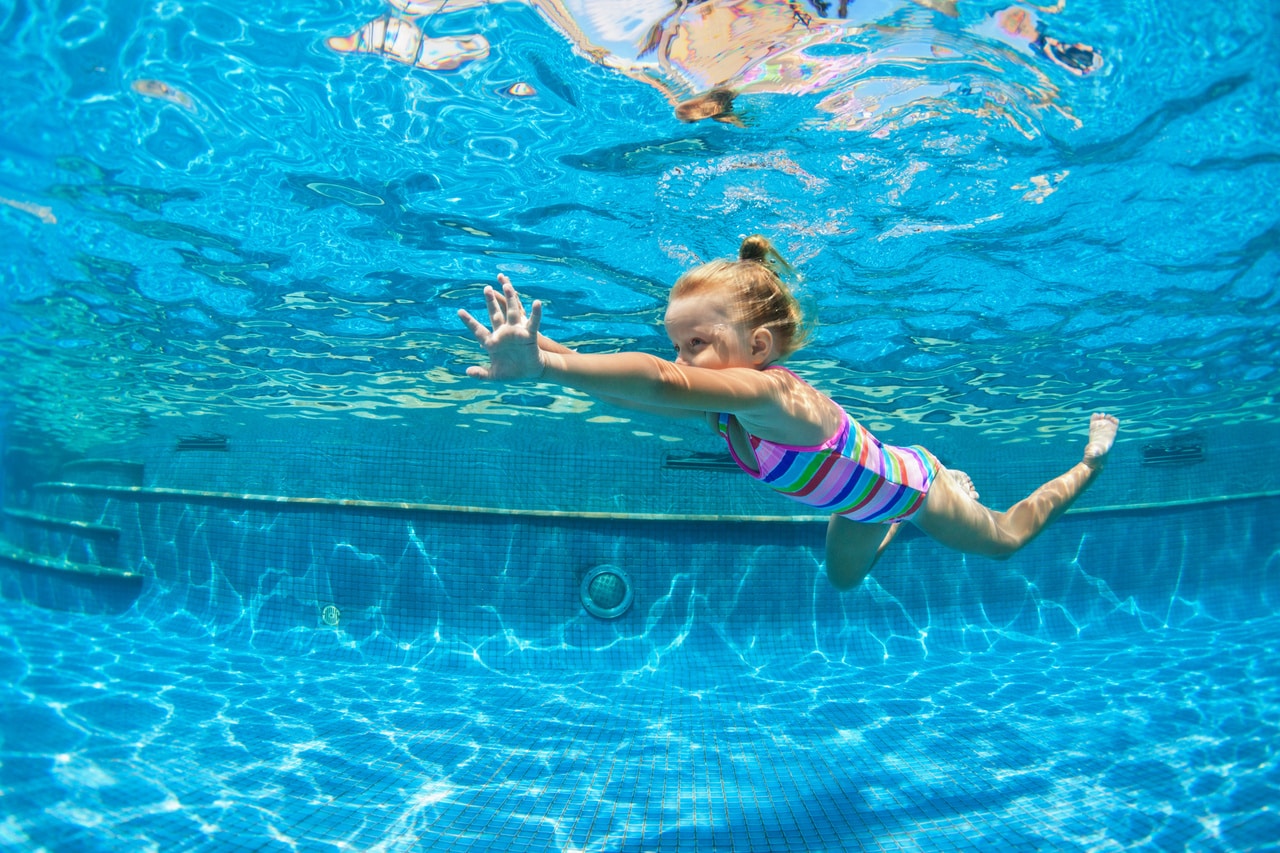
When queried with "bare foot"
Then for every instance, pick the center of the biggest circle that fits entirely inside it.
(1102, 434)
(964, 481)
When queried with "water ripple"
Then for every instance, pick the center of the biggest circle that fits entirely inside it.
(962, 209)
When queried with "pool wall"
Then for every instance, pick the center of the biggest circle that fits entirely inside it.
(455, 546)
(1111, 685)
(501, 590)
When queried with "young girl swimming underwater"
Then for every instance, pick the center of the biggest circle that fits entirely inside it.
(731, 323)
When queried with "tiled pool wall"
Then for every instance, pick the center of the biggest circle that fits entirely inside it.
(630, 467)
(435, 557)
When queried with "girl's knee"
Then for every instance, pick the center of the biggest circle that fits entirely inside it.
(852, 549)
(1004, 546)
(844, 577)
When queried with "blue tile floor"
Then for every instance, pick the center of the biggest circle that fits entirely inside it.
(117, 735)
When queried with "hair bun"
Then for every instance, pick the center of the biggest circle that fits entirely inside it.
(754, 290)
(756, 248)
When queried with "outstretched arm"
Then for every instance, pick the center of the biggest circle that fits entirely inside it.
(545, 343)
(636, 378)
(497, 314)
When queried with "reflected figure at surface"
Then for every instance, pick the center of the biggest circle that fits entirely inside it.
(161, 90)
(693, 52)
(1021, 25)
(873, 62)
(403, 40)
(732, 323)
(716, 105)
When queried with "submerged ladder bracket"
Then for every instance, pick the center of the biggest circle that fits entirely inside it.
(214, 442)
(699, 462)
(1182, 451)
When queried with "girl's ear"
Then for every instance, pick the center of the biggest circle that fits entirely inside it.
(762, 346)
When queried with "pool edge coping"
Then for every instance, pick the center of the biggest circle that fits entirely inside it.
(412, 506)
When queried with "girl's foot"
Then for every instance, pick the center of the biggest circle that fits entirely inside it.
(1102, 434)
(964, 481)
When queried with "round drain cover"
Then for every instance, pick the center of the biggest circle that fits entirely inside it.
(606, 592)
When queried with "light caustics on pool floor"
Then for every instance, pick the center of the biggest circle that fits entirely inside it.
(133, 737)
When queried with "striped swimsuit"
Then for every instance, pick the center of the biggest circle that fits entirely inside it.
(850, 474)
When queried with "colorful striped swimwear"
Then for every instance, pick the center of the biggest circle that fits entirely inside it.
(851, 474)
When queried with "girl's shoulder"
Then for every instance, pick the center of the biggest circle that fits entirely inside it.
(801, 415)
(787, 378)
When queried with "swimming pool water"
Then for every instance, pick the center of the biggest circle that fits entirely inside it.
(295, 241)
(1117, 691)
(232, 397)
(1091, 745)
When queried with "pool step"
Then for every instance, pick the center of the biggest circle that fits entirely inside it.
(105, 472)
(27, 560)
(57, 538)
(61, 584)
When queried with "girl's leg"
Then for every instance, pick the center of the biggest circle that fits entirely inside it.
(955, 519)
(853, 548)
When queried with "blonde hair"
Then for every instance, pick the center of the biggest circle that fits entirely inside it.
(757, 290)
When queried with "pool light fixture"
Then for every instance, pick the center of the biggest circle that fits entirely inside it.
(606, 592)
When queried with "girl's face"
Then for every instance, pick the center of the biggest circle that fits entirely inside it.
(705, 333)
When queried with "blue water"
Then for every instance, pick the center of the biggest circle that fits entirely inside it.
(1151, 747)
(294, 234)
(1087, 696)
(214, 226)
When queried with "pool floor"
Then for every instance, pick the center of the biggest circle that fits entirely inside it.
(120, 736)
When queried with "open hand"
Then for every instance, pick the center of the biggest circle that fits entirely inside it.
(512, 343)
